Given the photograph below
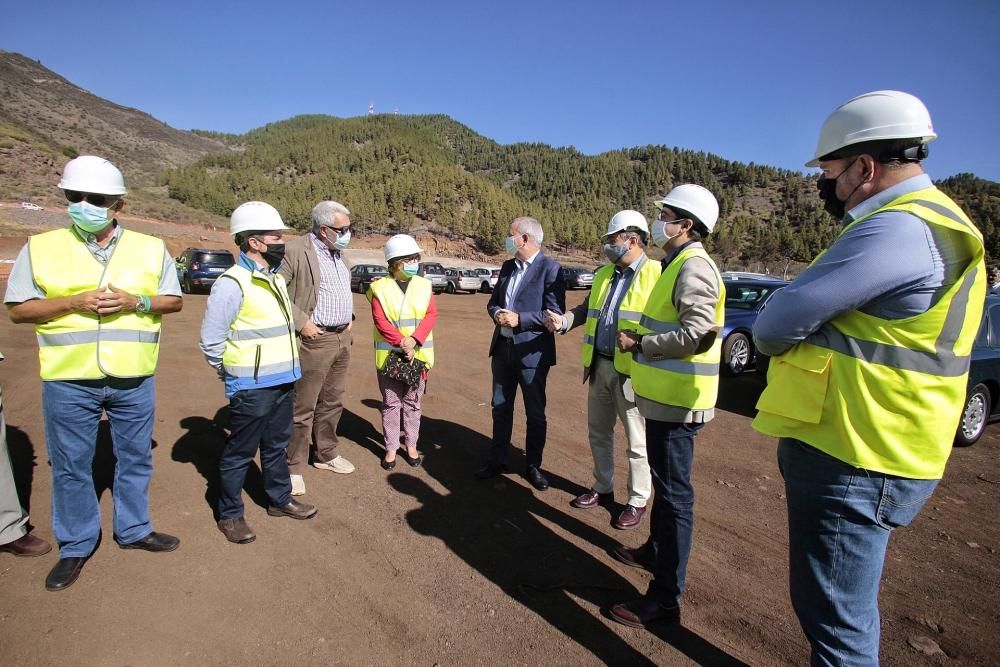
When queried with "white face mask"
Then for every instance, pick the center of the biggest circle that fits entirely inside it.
(659, 233)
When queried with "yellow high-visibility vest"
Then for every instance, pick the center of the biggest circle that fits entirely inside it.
(261, 349)
(629, 311)
(689, 382)
(86, 346)
(885, 395)
(405, 310)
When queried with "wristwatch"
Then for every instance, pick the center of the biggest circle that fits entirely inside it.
(141, 304)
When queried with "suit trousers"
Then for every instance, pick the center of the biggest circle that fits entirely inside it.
(508, 375)
(319, 398)
(12, 517)
(606, 402)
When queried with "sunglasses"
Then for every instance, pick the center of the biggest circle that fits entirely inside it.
(104, 201)
(340, 231)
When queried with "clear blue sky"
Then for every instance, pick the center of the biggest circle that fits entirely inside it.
(750, 81)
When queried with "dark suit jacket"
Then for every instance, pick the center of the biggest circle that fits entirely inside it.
(541, 288)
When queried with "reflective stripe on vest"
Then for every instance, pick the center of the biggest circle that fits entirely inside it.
(690, 382)
(261, 349)
(885, 395)
(85, 346)
(406, 310)
(629, 310)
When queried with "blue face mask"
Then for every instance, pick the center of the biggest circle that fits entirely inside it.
(511, 248)
(411, 269)
(615, 252)
(88, 217)
(342, 240)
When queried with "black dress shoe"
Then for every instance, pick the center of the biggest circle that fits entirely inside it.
(644, 612)
(64, 573)
(388, 465)
(415, 461)
(537, 479)
(154, 542)
(491, 470)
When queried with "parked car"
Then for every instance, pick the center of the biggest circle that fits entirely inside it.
(577, 278)
(31, 207)
(461, 279)
(198, 268)
(363, 275)
(434, 272)
(746, 295)
(982, 403)
(487, 278)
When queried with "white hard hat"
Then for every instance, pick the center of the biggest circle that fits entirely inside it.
(879, 116)
(623, 220)
(89, 173)
(401, 245)
(695, 201)
(255, 216)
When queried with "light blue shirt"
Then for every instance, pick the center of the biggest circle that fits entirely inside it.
(893, 265)
(21, 285)
(512, 285)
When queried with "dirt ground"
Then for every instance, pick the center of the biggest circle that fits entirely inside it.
(430, 566)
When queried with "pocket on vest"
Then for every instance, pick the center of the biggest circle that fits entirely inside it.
(797, 382)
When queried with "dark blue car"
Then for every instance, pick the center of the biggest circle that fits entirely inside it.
(982, 403)
(198, 268)
(745, 297)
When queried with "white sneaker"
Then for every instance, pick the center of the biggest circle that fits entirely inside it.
(298, 485)
(339, 464)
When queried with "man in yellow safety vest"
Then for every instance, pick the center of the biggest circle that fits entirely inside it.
(95, 293)
(871, 347)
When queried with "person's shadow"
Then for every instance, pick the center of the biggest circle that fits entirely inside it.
(499, 528)
(105, 461)
(22, 464)
(202, 447)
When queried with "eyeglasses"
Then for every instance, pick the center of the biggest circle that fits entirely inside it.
(104, 201)
(340, 231)
(663, 213)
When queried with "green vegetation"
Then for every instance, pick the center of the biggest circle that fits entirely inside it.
(412, 173)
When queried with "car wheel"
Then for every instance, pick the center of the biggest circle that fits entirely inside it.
(736, 354)
(974, 416)
(450, 289)
(485, 287)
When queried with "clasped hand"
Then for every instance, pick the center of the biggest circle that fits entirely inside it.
(104, 301)
(506, 318)
(408, 346)
(553, 321)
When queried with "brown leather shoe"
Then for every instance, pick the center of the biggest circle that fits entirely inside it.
(294, 509)
(592, 498)
(236, 530)
(644, 612)
(630, 517)
(641, 557)
(27, 546)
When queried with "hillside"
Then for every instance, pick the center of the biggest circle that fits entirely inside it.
(428, 175)
(45, 119)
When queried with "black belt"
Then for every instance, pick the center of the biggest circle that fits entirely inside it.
(337, 329)
(606, 356)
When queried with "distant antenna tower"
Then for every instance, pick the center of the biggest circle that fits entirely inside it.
(371, 109)
(395, 112)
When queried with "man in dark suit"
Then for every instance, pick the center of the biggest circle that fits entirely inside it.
(522, 349)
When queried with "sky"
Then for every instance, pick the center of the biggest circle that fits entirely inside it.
(749, 81)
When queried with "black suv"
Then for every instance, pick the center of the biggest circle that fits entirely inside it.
(363, 275)
(198, 268)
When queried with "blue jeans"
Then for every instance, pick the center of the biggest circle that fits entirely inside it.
(670, 450)
(839, 521)
(72, 412)
(259, 418)
(508, 375)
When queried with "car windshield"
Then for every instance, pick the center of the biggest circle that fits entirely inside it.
(745, 297)
(215, 258)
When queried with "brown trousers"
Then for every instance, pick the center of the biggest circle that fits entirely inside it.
(319, 398)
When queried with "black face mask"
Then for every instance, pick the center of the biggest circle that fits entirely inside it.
(828, 193)
(274, 254)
